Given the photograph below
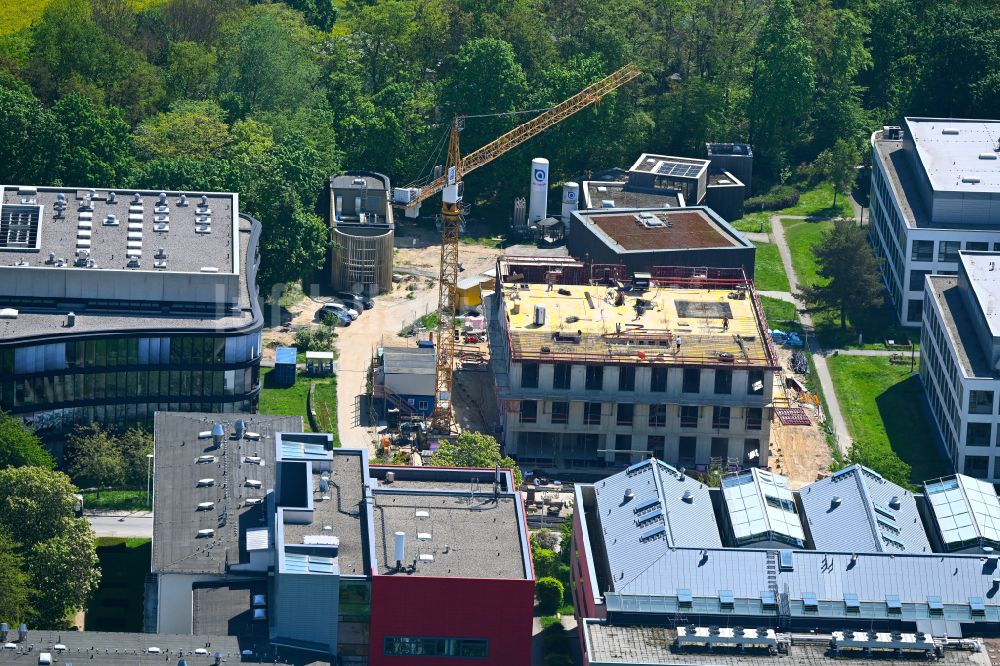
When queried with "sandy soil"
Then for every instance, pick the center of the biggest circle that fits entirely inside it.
(799, 452)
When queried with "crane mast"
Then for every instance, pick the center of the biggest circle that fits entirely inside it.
(449, 184)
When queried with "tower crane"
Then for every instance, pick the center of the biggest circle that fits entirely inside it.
(449, 184)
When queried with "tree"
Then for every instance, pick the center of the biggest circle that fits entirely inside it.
(193, 130)
(546, 563)
(30, 140)
(14, 583)
(192, 71)
(292, 245)
(839, 166)
(852, 285)
(20, 446)
(64, 572)
(782, 86)
(101, 143)
(34, 503)
(549, 593)
(474, 449)
(135, 445)
(319, 13)
(95, 459)
(883, 460)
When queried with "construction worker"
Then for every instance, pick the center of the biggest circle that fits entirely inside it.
(725, 323)
(678, 341)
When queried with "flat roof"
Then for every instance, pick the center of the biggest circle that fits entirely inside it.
(678, 229)
(645, 511)
(612, 333)
(457, 533)
(409, 360)
(101, 647)
(857, 509)
(357, 180)
(958, 154)
(983, 271)
(670, 165)
(226, 609)
(760, 503)
(596, 192)
(634, 644)
(185, 459)
(741, 149)
(342, 511)
(192, 236)
(959, 327)
(964, 508)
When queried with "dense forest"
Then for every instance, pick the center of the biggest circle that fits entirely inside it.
(268, 99)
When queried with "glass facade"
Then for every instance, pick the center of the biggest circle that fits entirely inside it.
(124, 381)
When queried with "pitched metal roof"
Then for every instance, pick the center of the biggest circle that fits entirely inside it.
(857, 510)
(648, 509)
(759, 504)
(965, 509)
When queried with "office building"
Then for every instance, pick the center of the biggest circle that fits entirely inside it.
(959, 357)
(935, 192)
(596, 367)
(658, 579)
(116, 305)
(354, 564)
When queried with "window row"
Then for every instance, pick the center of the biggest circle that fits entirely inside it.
(191, 384)
(418, 646)
(624, 414)
(128, 415)
(594, 379)
(923, 250)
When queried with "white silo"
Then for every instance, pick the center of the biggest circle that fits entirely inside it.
(539, 199)
(570, 202)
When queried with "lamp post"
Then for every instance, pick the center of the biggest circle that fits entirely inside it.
(149, 478)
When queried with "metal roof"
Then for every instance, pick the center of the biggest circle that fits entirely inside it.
(408, 359)
(666, 509)
(958, 155)
(284, 355)
(857, 510)
(760, 505)
(965, 509)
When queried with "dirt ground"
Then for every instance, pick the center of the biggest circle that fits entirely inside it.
(798, 452)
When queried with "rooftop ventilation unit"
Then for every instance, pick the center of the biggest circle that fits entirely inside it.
(239, 428)
(133, 262)
(987, 156)
(629, 494)
(205, 459)
(206, 506)
(111, 220)
(183, 200)
(112, 198)
(422, 513)
(253, 483)
(206, 533)
(254, 500)
(607, 203)
(399, 549)
(971, 180)
(426, 558)
(688, 496)
(835, 502)
(136, 199)
(203, 483)
(8, 313)
(894, 503)
(209, 269)
(950, 131)
(218, 433)
(253, 460)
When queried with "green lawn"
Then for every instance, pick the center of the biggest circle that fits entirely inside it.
(802, 236)
(116, 500)
(292, 401)
(753, 222)
(780, 314)
(816, 202)
(18, 14)
(118, 603)
(769, 272)
(884, 410)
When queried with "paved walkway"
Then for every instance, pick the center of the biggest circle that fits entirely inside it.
(840, 431)
(138, 524)
(781, 296)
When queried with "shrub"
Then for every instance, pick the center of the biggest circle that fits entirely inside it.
(549, 593)
(546, 563)
(547, 539)
(780, 196)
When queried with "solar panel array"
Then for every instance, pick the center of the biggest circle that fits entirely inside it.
(966, 509)
(19, 226)
(678, 169)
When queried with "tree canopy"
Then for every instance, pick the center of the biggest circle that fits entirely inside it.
(20, 446)
(474, 449)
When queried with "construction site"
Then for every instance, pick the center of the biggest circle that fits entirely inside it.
(631, 333)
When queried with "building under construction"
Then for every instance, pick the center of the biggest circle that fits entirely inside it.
(597, 367)
(362, 231)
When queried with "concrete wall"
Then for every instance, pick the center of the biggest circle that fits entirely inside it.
(726, 200)
(175, 610)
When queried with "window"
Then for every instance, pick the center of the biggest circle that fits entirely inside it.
(723, 382)
(977, 434)
(529, 411)
(595, 377)
(720, 418)
(689, 416)
(418, 646)
(626, 378)
(592, 413)
(687, 449)
(561, 375)
(658, 380)
(560, 412)
(996, 467)
(625, 413)
(755, 416)
(755, 382)
(980, 402)
(692, 380)
(996, 247)
(623, 449)
(529, 375)
(914, 310)
(657, 416)
(751, 452)
(923, 250)
(720, 447)
(948, 250)
(977, 466)
(657, 443)
(977, 246)
(917, 280)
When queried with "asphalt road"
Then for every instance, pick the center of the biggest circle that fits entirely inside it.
(123, 525)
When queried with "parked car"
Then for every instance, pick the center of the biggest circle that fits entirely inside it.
(349, 309)
(359, 303)
(335, 310)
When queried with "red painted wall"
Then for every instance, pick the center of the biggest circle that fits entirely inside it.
(497, 610)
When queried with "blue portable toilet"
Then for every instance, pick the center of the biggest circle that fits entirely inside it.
(284, 367)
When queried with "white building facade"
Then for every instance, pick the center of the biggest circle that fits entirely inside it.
(935, 191)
